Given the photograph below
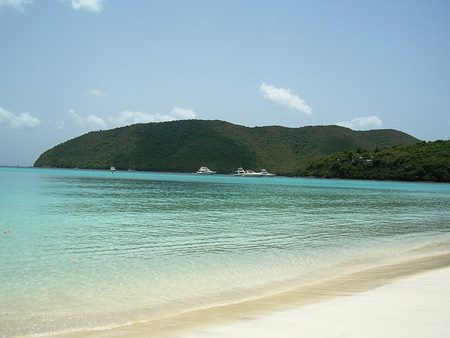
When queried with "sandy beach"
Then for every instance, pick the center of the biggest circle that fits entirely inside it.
(416, 306)
(410, 298)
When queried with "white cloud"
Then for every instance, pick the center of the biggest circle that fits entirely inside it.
(16, 4)
(184, 113)
(74, 116)
(89, 5)
(128, 117)
(17, 121)
(96, 92)
(362, 123)
(284, 97)
(131, 117)
(92, 122)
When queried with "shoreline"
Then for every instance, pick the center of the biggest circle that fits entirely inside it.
(320, 292)
(226, 174)
(413, 307)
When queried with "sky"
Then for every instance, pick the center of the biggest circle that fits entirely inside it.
(68, 67)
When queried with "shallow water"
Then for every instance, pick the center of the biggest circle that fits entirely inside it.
(82, 250)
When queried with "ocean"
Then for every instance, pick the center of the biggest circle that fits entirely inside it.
(86, 251)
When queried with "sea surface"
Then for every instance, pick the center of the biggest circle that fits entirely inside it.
(84, 250)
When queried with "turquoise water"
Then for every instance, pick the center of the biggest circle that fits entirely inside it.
(85, 250)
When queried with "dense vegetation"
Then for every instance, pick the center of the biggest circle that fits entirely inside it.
(420, 162)
(186, 145)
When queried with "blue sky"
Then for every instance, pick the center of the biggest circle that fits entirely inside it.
(71, 66)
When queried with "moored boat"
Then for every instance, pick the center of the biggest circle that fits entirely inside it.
(264, 172)
(205, 171)
(250, 173)
(239, 172)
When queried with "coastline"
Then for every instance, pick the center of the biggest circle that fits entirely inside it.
(414, 307)
(219, 174)
(225, 320)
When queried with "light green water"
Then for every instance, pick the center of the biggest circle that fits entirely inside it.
(82, 250)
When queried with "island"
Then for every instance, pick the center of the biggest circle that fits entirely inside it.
(184, 146)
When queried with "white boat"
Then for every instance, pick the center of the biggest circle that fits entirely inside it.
(246, 173)
(265, 173)
(113, 169)
(205, 171)
(239, 172)
(250, 173)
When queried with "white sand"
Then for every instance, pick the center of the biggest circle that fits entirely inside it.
(416, 306)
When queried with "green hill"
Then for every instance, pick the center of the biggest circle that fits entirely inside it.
(419, 162)
(188, 144)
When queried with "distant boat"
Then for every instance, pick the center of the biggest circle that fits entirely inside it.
(250, 173)
(264, 172)
(205, 171)
(239, 172)
(113, 169)
(246, 173)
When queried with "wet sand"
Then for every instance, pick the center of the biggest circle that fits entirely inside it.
(415, 307)
(402, 299)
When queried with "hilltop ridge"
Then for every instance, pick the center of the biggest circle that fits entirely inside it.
(185, 145)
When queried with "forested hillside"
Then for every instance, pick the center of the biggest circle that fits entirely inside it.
(424, 161)
(186, 145)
